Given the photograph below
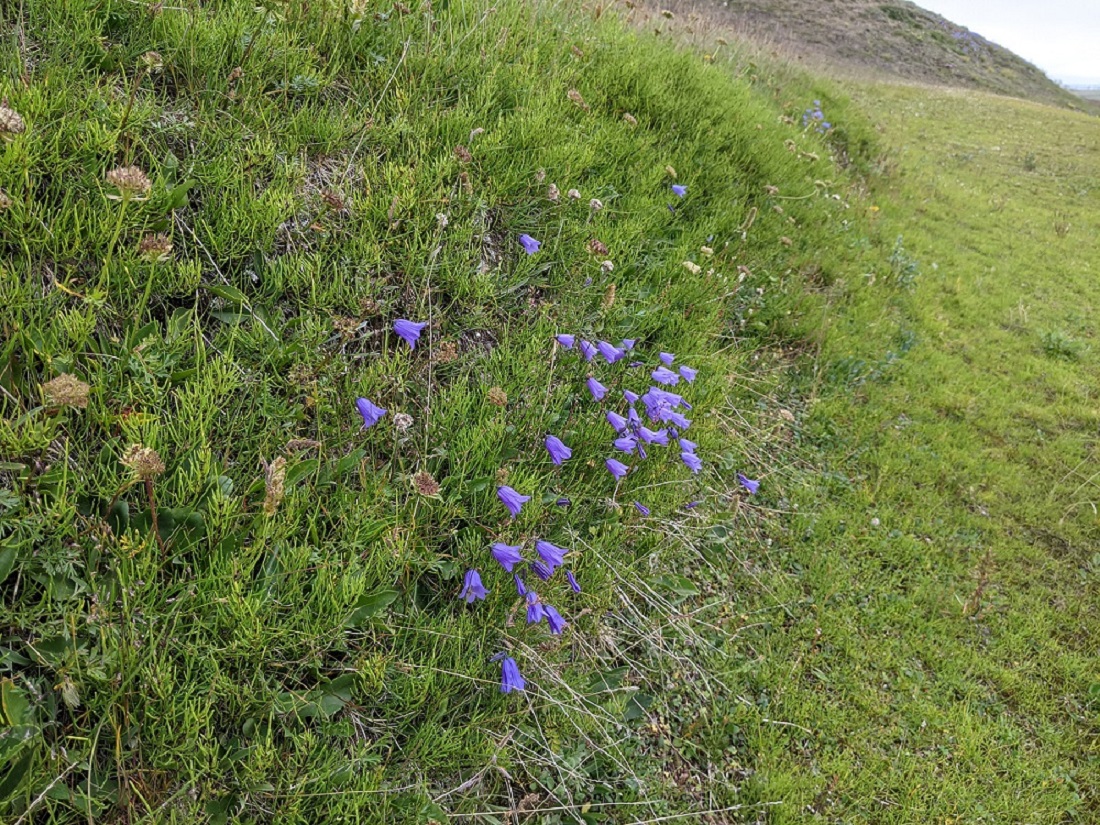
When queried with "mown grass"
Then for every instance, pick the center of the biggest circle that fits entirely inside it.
(214, 642)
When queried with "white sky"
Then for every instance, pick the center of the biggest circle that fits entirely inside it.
(1061, 37)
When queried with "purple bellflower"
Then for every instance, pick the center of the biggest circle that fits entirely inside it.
(511, 499)
(370, 411)
(566, 341)
(616, 467)
(557, 449)
(529, 244)
(667, 358)
(631, 397)
(653, 437)
(409, 331)
(510, 678)
(628, 343)
(679, 190)
(572, 581)
(507, 555)
(748, 483)
(625, 443)
(551, 555)
(610, 353)
(641, 508)
(541, 570)
(521, 588)
(597, 389)
(687, 446)
(692, 461)
(554, 619)
(588, 350)
(688, 373)
(535, 610)
(663, 375)
(616, 421)
(473, 588)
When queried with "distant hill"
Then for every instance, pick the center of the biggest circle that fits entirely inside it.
(889, 37)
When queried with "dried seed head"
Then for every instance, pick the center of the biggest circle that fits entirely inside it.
(671, 172)
(296, 445)
(463, 154)
(540, 175)
(446, 353)
(576, 97)
(497, 397)
(609, 296)
(69, 694)
(5, 201)
(629, 118)
(607, 267)
(577, 52)
(475, 132)
(334, 201)
(155, 248)
(130, 181)
(144, 461)
(152, 61)
(368, 306)
(706, 250)
(425, 484)
(402, 422)
(596, 247)
(464, 181)
(574, 194)
(667, 14)
(786, 241)
(235, 75)
(275, 483)
(595, 204)
(11, 123)
(345, 327)
(67, 391)
(552, 193)
(442, 221)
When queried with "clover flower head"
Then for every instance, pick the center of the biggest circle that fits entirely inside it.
(131, 183)
(145, 462)
(552, 193)
(370, 411)
(529, 244)
(595, 204)
(507, 555)
(748, 483)
(574, 194)
(472, 588)
(557, 449)
(511, 499)
(510, 678)
(67, 391)
(616, 467)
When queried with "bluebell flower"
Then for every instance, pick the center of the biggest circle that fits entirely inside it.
(588, 350)
(692, 461)
(610, 352)
(409, 331)
(679, 190)
(641, 450)
(541, 570)
(691, 505)
(625, 443)
(535, 611)
(641, 508)
(370, 411)
(653, 437)
(569, 577)
(473, 589)
(557, 449)
(521, 588)
(507, 555)
(687, 446)
(631, 397)
(632, 416)
(563, 502)
(566, 341)
(677, 418)
(628, 343)
(748, 483)
(616, 467)
(616, 421)
(667, 358)
(663, 375)
(597, 389)
(510, 678)
(554, 619)
(551, 554)
(511, 499)
(688, 373)
(529, 244)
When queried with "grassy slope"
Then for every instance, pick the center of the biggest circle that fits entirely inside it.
(935, 660)
(896, 39)
(314, 664)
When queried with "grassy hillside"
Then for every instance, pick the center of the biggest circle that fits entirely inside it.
(895, 39)
(225, 597)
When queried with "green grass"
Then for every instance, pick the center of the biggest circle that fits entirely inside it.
(899, 627)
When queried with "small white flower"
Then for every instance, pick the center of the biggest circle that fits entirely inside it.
(607, 266)
(574, 194)
(595, 204)
(442, 220)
